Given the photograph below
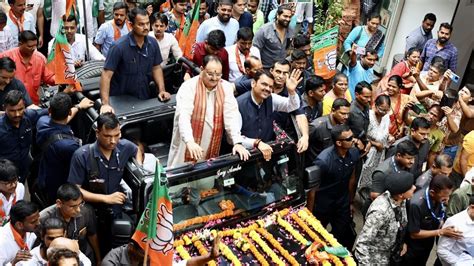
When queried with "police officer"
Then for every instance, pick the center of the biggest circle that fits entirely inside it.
(337, 184)
(97, 168)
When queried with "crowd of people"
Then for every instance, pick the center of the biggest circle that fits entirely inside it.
(395, 147)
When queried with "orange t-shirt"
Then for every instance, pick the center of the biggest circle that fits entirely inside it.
(32, 74)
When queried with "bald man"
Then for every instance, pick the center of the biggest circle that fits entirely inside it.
(73, 245)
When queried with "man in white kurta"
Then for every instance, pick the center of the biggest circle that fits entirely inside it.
(239, 52)
(183, 139)
(453, 251)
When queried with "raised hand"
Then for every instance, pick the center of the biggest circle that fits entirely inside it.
(293, 80)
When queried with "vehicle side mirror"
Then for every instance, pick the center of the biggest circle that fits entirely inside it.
(122, 230)
(312, 178)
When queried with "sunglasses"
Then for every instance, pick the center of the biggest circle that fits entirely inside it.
(347, 139)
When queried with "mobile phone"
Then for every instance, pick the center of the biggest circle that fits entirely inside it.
(450, 97)
(360, 50)
(418, 108)
(454, 77)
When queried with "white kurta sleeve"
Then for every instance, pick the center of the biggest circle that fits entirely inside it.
(285, 104)
(232, 116)
(185, 107)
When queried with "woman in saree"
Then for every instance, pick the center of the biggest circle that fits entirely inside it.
(377, 134)
(405, 70)
(398, 105)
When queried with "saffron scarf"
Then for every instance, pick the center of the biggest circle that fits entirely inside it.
(394, 125)
(17, 21)
(3, 216)
(239, 62)
(199, 115)
(18, 239)
(117, 33)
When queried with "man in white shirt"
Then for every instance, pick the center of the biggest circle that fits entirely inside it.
(166, 41)
(51, 229)
(78, 44)
(223, 21)
(6, 38)
(59, 9)
(239, 52)
(17, 236)
(199, 124)
(35, 8)
(112, 30)
(11, 190)
(19, 20)
(455, 250)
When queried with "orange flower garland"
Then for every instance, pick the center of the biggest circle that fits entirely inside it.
(246, 238)
(202, 219)
(203, 251)
(277, 245)
(305, 228)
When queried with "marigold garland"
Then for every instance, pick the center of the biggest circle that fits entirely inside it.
(260, 258)
(306, 228)
(202, 219)
(203, 251)
(256, 237)
(277, 245)
(253, 232)
(182, 252)
(289, 228)
(229, 254)
(316, 224)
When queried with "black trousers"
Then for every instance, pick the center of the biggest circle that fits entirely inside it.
(338, 214)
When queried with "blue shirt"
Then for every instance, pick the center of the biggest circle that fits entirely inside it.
(56, 160)
(417, 38)
(111, 171)
(132, 66)
(336, 172)
(16, 142)
(357, 74)
(15, 85)
(243, 84)
(246, 20)
(449, 52)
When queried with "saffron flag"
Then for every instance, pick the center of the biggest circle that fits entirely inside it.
(60, 60)
(324, 47)
(155, 228)
(187, 38)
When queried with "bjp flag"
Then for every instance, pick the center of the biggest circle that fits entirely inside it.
(155, 229)
(324, 47)
(187, 38)
(60, 60)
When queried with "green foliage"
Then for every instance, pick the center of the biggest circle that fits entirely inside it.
(326, 19)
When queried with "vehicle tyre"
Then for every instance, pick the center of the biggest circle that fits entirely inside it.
(90, 69)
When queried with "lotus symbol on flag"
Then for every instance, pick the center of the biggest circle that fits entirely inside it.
(163, 241)
(331, 59)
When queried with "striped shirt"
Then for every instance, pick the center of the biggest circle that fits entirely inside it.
(449, 52)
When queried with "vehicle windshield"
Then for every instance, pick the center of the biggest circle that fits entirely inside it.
(237, 188)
